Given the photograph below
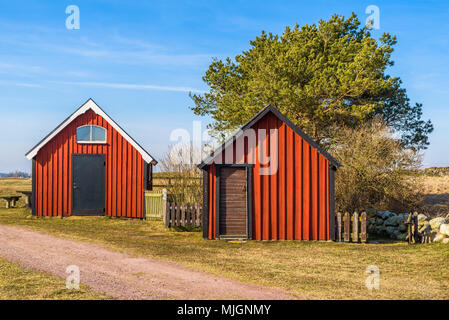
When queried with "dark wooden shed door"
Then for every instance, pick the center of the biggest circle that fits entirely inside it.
(233, 210)
(88, 184)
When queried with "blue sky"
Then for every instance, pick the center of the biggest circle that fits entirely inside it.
(139, 59)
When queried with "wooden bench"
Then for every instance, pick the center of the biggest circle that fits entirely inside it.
(28, 195)
(11, 201)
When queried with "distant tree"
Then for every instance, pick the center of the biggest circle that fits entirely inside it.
(15, 174)
(179, 163)
(323, 76)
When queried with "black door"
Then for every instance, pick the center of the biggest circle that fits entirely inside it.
(88, 184)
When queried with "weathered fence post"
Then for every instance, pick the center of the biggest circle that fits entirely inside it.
(197, 214)
(178, 214)
(347, 226)
(174, 214)
(355, 227)
(363, 227)
(164, 198)
(183, 214)
(167, 214)
(409, 224)
(339, 226)
(416, 228)
(189, 215)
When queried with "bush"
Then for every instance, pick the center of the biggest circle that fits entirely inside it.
(374, 171)
(186, 179)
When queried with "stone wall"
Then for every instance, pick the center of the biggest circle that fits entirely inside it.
(392, 225)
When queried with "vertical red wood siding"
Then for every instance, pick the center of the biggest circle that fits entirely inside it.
(293, 203)
(124, 171)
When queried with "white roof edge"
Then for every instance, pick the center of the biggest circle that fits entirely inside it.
(90, 104)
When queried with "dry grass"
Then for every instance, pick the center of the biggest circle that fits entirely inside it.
(436, 195)
(17, 283)
(324, 270)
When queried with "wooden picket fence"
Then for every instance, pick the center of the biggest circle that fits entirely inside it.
(183, 215)
(351, 227)
(414, 236)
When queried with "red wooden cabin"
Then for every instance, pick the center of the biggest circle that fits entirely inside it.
(270, 181)
(89, 165)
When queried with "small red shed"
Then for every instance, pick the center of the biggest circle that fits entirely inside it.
(270, 181)
(89, 165)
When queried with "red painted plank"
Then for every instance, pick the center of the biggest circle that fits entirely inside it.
(39, 183)
(265, 184)
(327, 202)
(315, 200)
(114, 199)
(64, 172)
(322, 197)
(60, 174)
(129, 179)
(298, 187)
(273, 181)
(306, 192)
(282, 182)
(257, 225)
(290, 194)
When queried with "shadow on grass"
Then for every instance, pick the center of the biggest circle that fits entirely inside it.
(186, 229)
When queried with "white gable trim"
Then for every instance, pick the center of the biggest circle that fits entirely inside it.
(90, 104)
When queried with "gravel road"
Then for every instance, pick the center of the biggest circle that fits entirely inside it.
(120, 275)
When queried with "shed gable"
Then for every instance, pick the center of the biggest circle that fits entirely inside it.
(90, 105)
(219, 155)
(124, 170)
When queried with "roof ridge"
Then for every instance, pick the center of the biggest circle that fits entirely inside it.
(282, 117)
(90, 104)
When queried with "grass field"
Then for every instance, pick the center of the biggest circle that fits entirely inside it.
(317, 269)
(10, 186)
(436, 191)
(17, 283)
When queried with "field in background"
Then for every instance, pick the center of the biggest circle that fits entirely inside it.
(435, 189)
(10, 186)
(436, 195)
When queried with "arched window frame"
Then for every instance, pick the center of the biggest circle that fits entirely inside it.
(91, 130)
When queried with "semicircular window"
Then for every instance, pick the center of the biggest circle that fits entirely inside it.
(90, 134)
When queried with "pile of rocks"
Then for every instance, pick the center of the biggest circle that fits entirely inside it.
(392, 225)
(436, 230)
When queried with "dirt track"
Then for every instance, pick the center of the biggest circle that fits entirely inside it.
(120, 275)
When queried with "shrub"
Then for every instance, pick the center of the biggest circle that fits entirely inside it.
(374, 172)
(186, 179)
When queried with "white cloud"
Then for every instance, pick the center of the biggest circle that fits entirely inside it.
(20, 84)
(133, 86)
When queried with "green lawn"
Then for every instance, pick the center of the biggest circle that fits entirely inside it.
(316, 269)
(17, 283)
